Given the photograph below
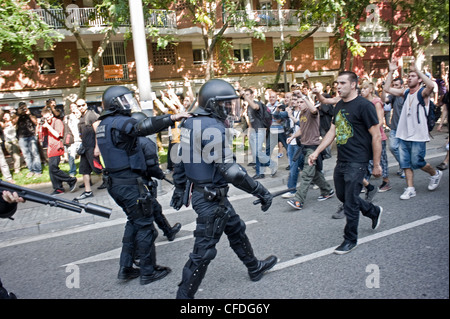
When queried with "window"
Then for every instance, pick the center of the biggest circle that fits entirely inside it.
(46, 63)
(163, 56)
(115, 53)
(243, 53)
(115, 62)
(265, 5)
(322, 49)
(199, 55)
(277, 52)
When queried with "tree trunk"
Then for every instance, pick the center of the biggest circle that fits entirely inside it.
(288, 50)
(344, 55)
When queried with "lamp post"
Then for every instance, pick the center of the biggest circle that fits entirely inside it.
(140, 53)
(281, 19)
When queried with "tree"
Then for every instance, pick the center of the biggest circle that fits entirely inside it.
(314, 14)
(114, 13)
(426, 22)
(214, 17)
(348, 18)
(21, 30)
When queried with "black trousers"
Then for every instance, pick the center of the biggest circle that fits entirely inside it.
(205, 246)
(57, 176)
(139, 229)
(348, 178)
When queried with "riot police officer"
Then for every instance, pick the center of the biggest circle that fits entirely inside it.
(125, 164)
(207, 162)
(153, 170)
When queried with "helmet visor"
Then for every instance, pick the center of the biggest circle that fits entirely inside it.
(231, 108)
(129, 103)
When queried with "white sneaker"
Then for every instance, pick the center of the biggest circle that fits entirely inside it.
(409, 192)
(288, 195)
(434, 180)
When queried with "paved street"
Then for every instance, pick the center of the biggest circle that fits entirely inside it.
(51, 253)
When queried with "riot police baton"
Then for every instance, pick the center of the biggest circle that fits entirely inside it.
(290, 190)
(46, 199)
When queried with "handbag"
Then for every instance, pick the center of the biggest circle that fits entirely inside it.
(81, 149)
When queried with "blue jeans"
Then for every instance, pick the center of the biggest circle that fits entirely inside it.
(348, 178)
(412, 154)
(257, 138)
(30, 151)
(393, 145)
(294, 166)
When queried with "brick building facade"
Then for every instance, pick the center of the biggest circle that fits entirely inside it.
(55, 74)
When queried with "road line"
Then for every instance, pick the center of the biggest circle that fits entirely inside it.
(64, 232)
(329, 251)
(114, 222)
(115, 253)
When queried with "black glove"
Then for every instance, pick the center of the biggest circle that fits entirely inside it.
(264, 195)
(177, 198)
(155, 171)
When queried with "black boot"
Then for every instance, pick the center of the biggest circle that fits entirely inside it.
(126, 273)
(159, 273)
(164, 225)
(262, 266)
(173, 231)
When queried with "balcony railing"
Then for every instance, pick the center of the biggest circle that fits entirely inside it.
(89, 17)
(272, 18)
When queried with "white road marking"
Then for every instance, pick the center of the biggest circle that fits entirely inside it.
(328, 251)
(115, 253)
(109, 223)
(64, 232)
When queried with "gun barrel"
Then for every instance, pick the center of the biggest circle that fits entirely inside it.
(98, 210)
(46, 199)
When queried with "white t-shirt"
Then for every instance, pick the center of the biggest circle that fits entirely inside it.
(409, 128)
(296, 114)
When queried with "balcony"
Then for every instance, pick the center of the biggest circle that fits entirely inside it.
(272, 18)
(89, 17)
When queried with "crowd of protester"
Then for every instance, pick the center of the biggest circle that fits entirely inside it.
(25, 137)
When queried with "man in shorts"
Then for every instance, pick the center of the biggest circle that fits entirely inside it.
(89, 162)
(412, 129)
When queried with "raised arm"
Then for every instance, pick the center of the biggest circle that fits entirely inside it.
(387, 88)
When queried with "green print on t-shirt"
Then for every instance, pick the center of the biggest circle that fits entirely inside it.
(344, 129)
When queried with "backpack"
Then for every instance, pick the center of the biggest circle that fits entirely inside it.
(265, 115)
(68, 138)
(431, 116)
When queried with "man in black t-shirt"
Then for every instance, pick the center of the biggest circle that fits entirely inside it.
(257, 135)
(89, 162)
(26, 132)
(356, 129)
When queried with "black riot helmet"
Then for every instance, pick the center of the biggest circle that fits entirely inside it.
(119, 99)
(217, 98)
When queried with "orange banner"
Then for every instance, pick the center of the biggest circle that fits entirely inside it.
(114, 71)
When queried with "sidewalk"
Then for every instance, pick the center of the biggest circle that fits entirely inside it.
(35, 219)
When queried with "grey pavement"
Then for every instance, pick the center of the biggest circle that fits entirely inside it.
(34, 219)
